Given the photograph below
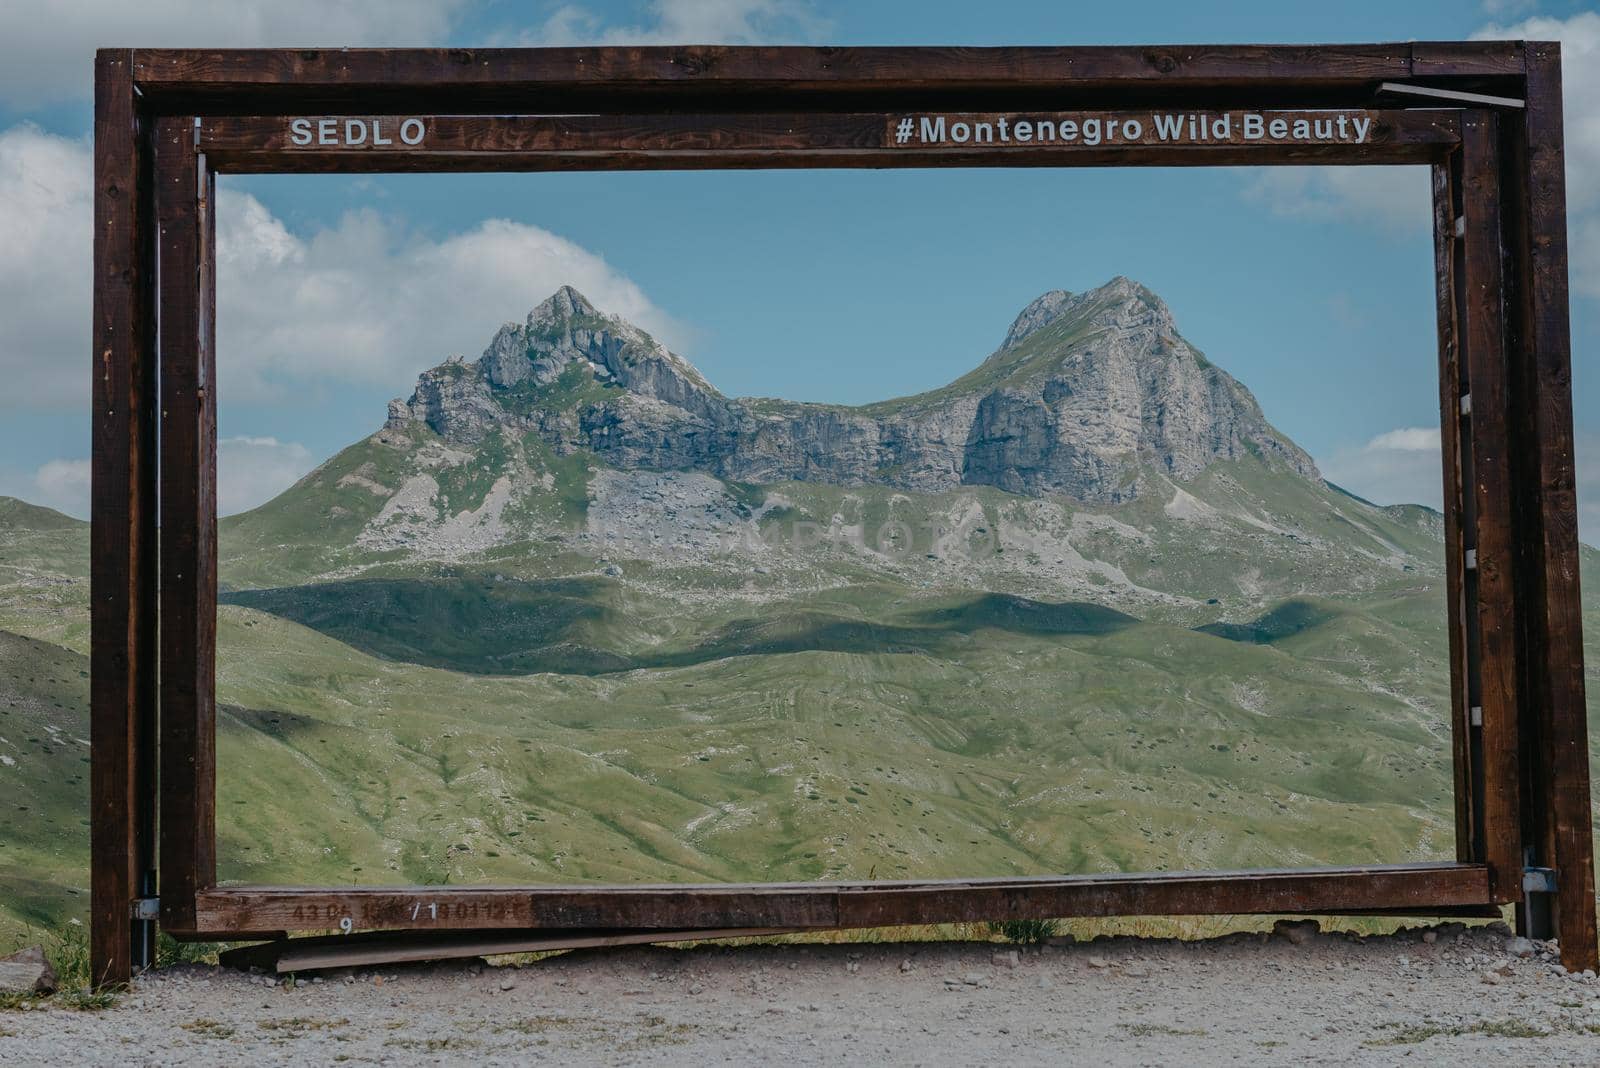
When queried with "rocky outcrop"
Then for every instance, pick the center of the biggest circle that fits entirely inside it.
(1086, 394)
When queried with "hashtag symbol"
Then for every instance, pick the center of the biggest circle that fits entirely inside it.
(902, 133)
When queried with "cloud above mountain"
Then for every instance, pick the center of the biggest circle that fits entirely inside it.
(370, 301)
(356, 302)
(1401, 466)
(1398, 198)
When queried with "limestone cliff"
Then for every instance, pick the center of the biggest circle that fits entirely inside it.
(1087, 393)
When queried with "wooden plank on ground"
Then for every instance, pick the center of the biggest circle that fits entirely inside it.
(395, 947)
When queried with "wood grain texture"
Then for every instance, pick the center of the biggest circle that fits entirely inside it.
(1561, 835)
(718, 78)
(679, 142)
(1410, 887)
(1494, 601)
(390, 947)
(1452, 385)
(188, 538)
(122, 579)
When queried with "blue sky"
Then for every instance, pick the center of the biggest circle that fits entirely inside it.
(1313, 288)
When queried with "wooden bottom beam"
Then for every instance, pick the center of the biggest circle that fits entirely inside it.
(1412, 888)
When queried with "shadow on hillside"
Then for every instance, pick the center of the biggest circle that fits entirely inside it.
(482, 626)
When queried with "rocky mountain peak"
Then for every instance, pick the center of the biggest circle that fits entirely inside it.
(1090, 396)
(1121, 302)
(564, 303)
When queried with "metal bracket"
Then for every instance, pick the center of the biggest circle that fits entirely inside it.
(1403, 89)
(147, 908)
(1476, 715)
(1466, 404)
(1539, 880)
(1472, 559)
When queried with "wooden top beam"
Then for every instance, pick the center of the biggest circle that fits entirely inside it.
(762, 78)
(389, 143)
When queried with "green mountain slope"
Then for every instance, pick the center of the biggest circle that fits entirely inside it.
(513, 658)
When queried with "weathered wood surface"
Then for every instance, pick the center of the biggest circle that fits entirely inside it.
(622, 142)
(802, 69)
(839, 78)
(1408, 887)
(1492, 585)
(184, 200)
(394, 947)
(1452, 387)
(1559, 828)
(122, 535)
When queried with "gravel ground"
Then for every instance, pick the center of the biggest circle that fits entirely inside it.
(1442, 996)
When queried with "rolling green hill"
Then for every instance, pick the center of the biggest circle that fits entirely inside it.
(515, 659)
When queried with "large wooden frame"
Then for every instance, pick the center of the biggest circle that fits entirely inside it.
(1486, 116)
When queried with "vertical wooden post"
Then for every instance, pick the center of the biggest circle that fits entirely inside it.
(1491, 601)
(122, 536)
(1557, 832)
(1465, 746)
(189, 523)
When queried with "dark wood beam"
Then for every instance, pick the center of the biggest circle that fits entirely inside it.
(1411, 887)
(184, 210)
(761, 78)
(666, 142)
(122, 656)
(1557, 832)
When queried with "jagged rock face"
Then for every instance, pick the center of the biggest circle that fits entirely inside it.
(1086, 393)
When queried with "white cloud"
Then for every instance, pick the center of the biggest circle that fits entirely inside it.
(1580, 87)
(253, 470)
(64, 486)
(365, 301)
(1391, 197)
(1405, 466)
(686, 22)
(1385, 197)
(250, 472)
(46, 231)
(1408, 439)
(47, 46)
(1401, 466)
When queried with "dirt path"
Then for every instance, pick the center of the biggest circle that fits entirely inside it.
(1332, 999)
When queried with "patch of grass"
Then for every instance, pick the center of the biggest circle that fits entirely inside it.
(171, 952)
(1147, 1030)
(1025, 932)
(208, 1028)
(68, 953)
(446, 1044)
(302, 1024)
(1404, 1035)
(85, 1000)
